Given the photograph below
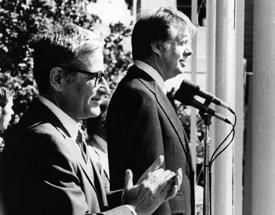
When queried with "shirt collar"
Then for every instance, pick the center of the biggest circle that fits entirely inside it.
(71, 125)
(153, 73)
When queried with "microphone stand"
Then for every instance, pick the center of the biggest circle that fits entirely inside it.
(206, 190)
(207, 182)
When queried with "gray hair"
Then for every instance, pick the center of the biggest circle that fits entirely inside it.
(61, 46)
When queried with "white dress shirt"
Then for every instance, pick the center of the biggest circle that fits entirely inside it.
(71, 125)
(153, 73)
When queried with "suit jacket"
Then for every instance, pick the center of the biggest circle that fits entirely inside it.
(97, 147)
(141, 125)
(43, 171)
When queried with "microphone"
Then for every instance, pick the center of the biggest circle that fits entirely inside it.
(186, 97)
(196, 104)
(193, 89)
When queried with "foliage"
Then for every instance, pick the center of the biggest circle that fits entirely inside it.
(117, 58)
(21, 19)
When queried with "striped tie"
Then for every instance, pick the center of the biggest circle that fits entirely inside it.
(82, 144)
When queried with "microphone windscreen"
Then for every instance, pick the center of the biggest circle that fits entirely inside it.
(186, 92)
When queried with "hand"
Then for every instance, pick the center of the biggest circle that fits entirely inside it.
(177, 178)
(176, 186)
(153, 188)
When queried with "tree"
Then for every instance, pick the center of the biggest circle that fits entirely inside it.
(117, 59)
(21, 19)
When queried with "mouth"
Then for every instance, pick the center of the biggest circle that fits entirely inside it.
(96, 101)
(182, 63)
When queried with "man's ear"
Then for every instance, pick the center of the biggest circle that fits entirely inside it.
(156, 47)
(56, 75)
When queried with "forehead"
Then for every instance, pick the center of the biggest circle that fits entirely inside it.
(91, 61)
(177, 32)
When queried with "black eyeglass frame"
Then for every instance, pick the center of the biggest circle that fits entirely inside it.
(97, 75)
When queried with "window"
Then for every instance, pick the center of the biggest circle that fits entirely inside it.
(186, 7)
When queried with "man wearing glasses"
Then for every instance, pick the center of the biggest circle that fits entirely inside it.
(45, 167)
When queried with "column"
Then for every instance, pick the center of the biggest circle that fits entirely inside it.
(263, 105)
(222, 202)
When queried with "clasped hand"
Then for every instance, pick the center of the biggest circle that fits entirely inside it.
(154, 187)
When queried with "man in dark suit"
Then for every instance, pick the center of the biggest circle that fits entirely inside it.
(141, 122)
(46, 168)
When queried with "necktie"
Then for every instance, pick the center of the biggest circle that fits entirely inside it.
(82, 144)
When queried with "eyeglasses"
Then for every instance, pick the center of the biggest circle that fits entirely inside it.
(92, 76)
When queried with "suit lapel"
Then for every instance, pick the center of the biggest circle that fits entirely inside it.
(98, 182)
(92, 173)
(75, 150)
(165, 106)
(167, 109)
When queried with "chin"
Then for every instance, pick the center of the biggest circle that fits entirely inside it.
(95, 112)
(178, 72)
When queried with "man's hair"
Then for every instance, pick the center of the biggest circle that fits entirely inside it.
(60, 46)
(153, 26)
(5, 94)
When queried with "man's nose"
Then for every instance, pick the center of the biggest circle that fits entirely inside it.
(104, 86)
(188, 51)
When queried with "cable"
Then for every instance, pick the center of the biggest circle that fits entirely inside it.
(216, 154)
(199, 10)
(213, 157)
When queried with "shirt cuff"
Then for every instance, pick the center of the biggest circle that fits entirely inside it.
(132, 209)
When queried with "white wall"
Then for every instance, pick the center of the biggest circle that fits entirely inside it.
(157, 3)
(111, 11)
